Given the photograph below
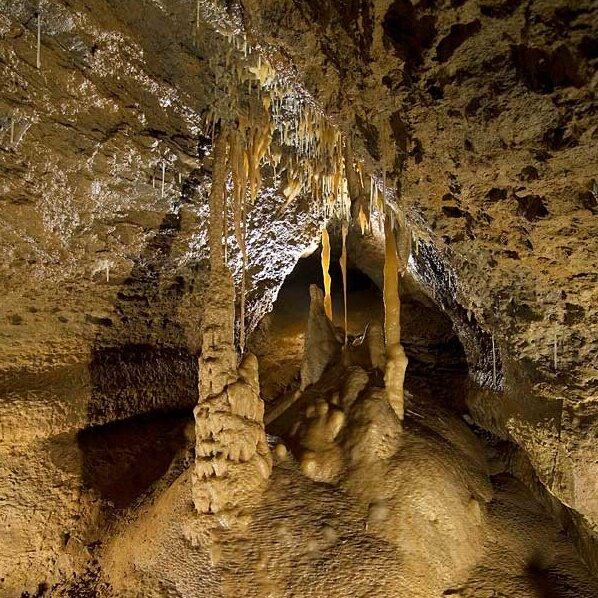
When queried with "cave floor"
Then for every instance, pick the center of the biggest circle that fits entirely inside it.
(354, 505)
(429, 521)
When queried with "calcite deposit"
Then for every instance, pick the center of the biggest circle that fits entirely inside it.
(298, 298)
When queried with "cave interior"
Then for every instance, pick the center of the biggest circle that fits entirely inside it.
(298, 298)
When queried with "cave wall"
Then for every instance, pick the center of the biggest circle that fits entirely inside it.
(103, 273)
(103, 270)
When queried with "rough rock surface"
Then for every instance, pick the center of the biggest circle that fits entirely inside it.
(488, 107)
(96, 257)
(104, 267)
(491, 108)
(402, 513)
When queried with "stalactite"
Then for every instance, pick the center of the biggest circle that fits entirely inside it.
(392, 324)
(38, 61)
(493, 362)
(326, 273)
(239, 162)
(343, 264)
(217, 199)
(322, 161)
(163, 178)
(381, 203)
(225, 231)
(318, 162)
(243, 281)
(396, 360)
(356, 189)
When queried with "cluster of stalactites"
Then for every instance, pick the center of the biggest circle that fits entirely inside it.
(275, 124)
(280, 126)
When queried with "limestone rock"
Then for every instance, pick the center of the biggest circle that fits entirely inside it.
(322, 344)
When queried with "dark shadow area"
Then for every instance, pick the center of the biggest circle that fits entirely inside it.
(437, 363)
(123, 459)
(143, 374)
(410, 33)
(544, 583)
(427, 332)
(140, 361)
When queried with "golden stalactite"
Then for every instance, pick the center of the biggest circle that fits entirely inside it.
(326, 273)
(343, 264)
(396, 360)
(217, 199)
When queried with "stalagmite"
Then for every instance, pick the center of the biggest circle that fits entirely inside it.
(343, 264)
(326, 274)
(396, 360)
(232, 459)
(375, 344)
(363, 221)
(321, 343)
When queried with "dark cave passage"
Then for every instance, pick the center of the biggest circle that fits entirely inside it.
(433, 348)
